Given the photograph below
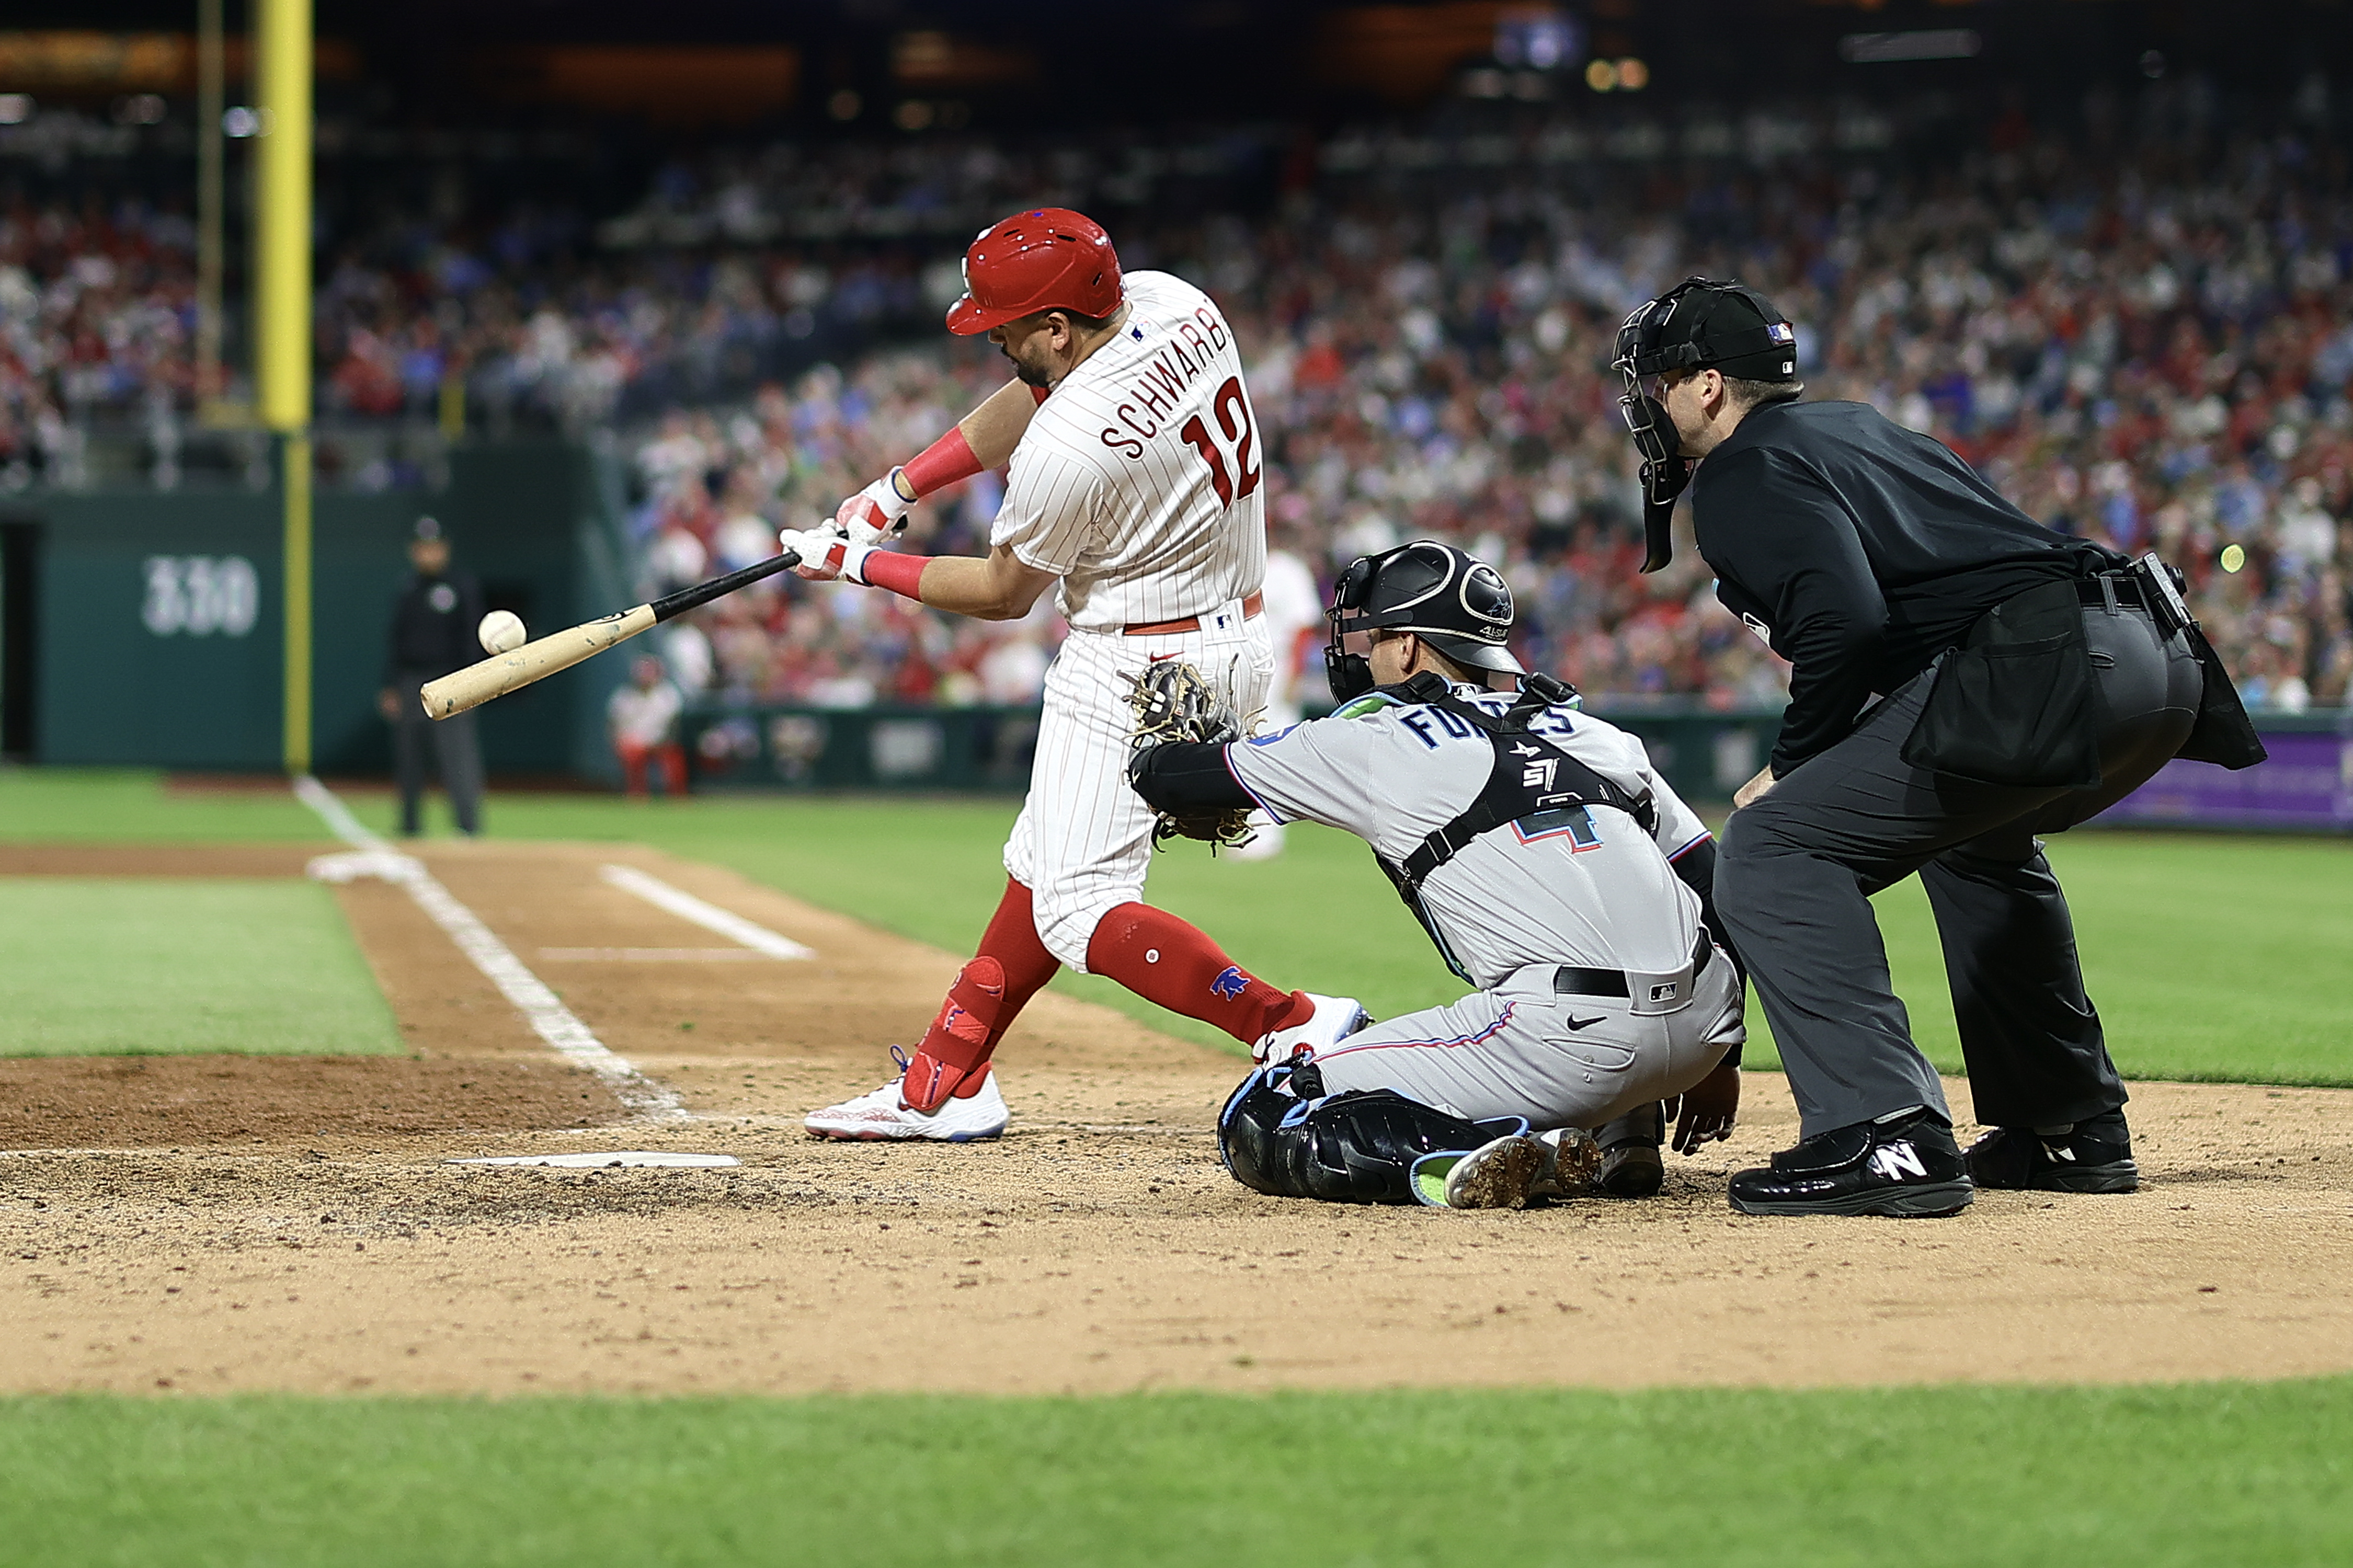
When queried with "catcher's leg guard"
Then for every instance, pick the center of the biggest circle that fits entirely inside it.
(954, 1057)
(1280, 1133)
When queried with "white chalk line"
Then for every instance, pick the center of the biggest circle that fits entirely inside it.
(641, 1158)
(549, 1018)
(652, 955)
(709, 916)
(764, 1120)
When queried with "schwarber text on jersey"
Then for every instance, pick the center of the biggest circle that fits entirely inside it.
(1191, 348)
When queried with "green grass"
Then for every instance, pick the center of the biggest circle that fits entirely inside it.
(2161, 1478)
(127, 805)
(2211, 957)
(108, 967)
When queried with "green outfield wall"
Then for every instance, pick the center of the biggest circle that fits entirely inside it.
(157, 615)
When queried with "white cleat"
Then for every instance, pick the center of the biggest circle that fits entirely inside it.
(1334, 1020)
(1507, 1172)
(1501, 1175)
(1571, 1159)
(883, 1115)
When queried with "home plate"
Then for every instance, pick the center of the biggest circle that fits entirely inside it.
(605, 1162)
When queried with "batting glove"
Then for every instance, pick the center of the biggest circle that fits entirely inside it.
(826, 554)
(880, 509)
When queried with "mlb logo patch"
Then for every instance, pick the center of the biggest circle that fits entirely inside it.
(1665, 993)
(1781, 332)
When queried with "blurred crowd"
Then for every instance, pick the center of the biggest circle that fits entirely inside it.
(2150, 348)
(2136, 319)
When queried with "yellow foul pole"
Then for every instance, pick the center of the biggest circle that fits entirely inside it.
(282, 331)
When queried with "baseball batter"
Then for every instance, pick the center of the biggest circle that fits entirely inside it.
(1133, 492)
(1553, 866)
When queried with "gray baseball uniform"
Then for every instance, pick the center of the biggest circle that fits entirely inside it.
(1586, 889)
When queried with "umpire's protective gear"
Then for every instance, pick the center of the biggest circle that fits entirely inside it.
(1701, 324)
(1281, 1133)
(1456, 603)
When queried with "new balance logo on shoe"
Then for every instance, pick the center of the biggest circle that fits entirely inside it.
(1894, 1162)
(2055, 1152)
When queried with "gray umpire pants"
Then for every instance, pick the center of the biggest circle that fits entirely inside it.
(456, 745)
(1794, 872)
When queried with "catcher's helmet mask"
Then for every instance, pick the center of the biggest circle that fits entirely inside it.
(1456, 601)
(1701, 324)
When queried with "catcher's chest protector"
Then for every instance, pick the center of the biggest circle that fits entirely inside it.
(1532, 781)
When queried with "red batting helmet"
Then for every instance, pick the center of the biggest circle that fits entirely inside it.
(1048, 260)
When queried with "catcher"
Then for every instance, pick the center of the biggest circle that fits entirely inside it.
(1552, 866)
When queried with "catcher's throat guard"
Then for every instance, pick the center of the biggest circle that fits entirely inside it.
(1701, 324)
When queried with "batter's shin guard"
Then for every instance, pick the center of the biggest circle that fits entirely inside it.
(953, 1058)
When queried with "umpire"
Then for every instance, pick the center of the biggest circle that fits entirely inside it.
(434, 627)
(1962, 678)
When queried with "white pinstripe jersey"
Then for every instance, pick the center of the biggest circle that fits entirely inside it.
(1137, 482)
(1592, 889)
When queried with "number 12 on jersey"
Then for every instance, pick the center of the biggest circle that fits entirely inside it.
(1233, 415)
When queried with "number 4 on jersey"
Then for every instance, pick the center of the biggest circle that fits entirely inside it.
(1233, 412)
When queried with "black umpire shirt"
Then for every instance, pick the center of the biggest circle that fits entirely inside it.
(434, 627)
(1861, 550)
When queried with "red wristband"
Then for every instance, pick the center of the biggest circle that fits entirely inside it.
(902, 574)
(941, 464)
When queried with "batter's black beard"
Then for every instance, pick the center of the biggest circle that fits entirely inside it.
(1029, 376)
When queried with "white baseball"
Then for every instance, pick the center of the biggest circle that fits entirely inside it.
(500, 631)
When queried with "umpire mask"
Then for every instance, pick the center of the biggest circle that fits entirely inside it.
(1701, 324)
(1456, 603)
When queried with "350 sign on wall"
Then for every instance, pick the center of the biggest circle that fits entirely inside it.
(199, 596)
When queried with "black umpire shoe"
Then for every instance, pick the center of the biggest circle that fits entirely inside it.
(2093, 1156)
(1909, 1168)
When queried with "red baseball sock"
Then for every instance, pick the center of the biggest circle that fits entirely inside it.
(988, 995)
(1168, 961)
(1011, 939)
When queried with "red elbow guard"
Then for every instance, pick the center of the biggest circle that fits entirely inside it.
(941, 464)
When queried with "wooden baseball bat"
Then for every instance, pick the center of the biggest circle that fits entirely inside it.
(504, 672)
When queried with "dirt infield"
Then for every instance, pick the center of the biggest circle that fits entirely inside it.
(287, 1223)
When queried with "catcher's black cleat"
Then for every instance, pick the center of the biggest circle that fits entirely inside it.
(1631, 1164)
(1909, 1168)
(2093, 1156)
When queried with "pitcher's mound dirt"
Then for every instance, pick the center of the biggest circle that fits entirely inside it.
(1099, 1246)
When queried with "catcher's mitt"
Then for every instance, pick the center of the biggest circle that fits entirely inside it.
(1173, 701)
